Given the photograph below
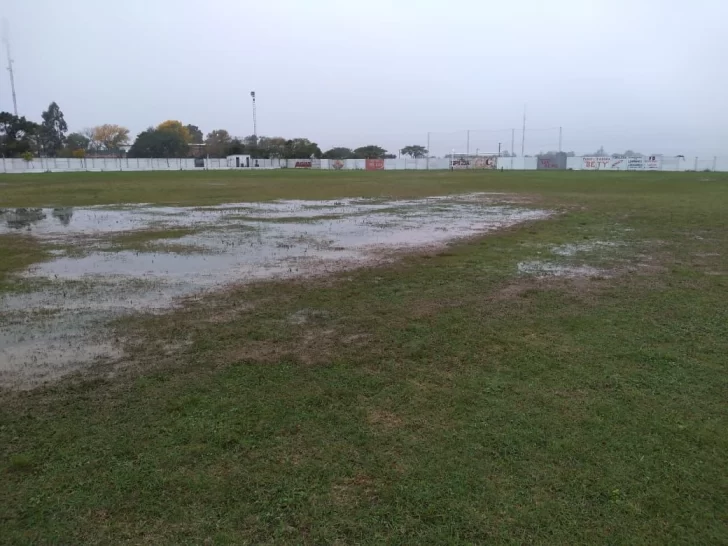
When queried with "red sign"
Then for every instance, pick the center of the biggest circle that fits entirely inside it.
(303, 164)
(375, 164)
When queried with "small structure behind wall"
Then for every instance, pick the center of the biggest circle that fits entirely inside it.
(238, 161)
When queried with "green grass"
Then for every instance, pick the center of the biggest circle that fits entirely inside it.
(214, 187)
(17, 252)
(147, 240)
(440, 399)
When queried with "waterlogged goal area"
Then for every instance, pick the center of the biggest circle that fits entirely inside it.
(110, 261)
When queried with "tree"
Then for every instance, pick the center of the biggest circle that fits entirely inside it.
(175, 126)
(235, 147)
(76, 145)
(390, 156)
(77, 141)
(271, 147)
(339, 153)
(414, 151)
(159, 143)
(370, 152)
(302, 148)
(217, 142)
(17, 135)
(195, 134)
(110, 137)
(600, 152)
(53, 130)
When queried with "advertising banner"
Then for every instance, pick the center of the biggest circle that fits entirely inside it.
(304, 163)
(374, 165)
(484, 162)
(654, 163)
(599, 163)
(635, 163)
(458, 164)
(551, 162)
(337, 164)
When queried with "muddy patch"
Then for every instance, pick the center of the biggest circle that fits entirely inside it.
(90, 282)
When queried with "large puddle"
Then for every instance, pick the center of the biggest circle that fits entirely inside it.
(57, 324)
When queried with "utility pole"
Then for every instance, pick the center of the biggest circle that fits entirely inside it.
(6, 41)
(255, 120)
(560, 135)
(523, 136)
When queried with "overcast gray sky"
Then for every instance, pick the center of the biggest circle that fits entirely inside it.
(642, 74)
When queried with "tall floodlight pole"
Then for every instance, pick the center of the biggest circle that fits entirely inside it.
(6, 41)
(560, 139)
(523, 135)
(255, 119)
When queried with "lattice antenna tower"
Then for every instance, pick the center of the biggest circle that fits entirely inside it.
(6, 42)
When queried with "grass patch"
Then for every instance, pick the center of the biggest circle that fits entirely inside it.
(139, 239)
(440, 399)
(18, 252)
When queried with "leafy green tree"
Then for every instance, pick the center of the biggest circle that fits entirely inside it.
(77, 141)
(196, 136)
(159, 143)
(370, 152)
(235, 147)
(302, 148)
(339, 153)
(17, 135)
(76, 145)
(53, 130)
(271, 147)
(414, 151)
(217, 143)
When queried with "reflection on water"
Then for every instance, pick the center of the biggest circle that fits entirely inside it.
(22, 218)
(25, 218)
(64, 214)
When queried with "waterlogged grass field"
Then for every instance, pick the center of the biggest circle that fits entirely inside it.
(562, 380)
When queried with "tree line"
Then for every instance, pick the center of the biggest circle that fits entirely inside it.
(20, 137)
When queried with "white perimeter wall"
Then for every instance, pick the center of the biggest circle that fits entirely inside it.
(39, 165)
